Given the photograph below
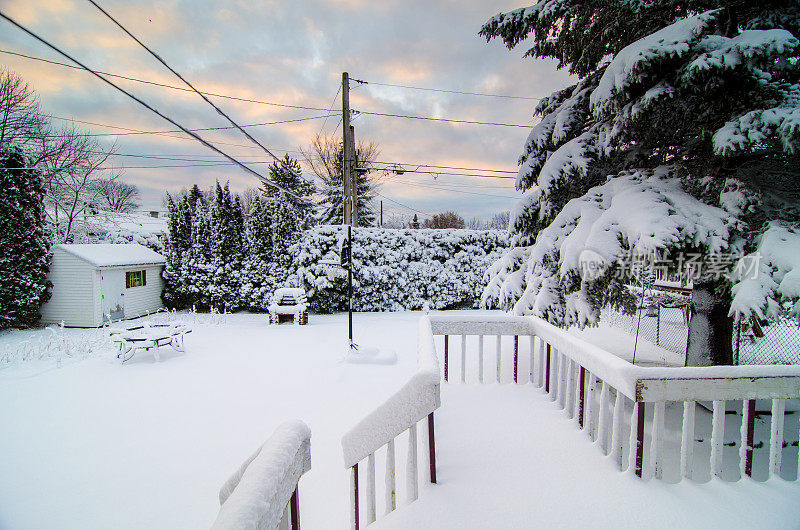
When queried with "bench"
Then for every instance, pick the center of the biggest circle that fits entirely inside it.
(148, 336)
(289, 302)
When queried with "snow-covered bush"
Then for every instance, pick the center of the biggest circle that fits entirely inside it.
(397, 269)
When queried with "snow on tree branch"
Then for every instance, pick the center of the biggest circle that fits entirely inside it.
(777, 279)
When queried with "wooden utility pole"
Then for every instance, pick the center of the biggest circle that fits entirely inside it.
(347, 158)
(354, 172)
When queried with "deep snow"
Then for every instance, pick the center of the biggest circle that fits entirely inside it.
(96, 444)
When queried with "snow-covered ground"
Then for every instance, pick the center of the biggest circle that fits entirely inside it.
(89, 443)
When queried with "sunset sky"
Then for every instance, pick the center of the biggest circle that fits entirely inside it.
(292, 53)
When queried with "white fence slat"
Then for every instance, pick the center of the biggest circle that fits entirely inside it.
(533, 358)
(412, 487)
(569, 398)
(499, 355)
(687, 440)
(590, 422)
(602, 433)
(542, 364)
(633, 443)
(370, 489)
(391, 488)
(463, 358)
(776, 437)
(717, 437)
(657, 441)
(480, 358)
(616, 430)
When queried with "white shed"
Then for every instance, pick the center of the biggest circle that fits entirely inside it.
(96, 282)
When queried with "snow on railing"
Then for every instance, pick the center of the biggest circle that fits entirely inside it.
(262, 494)
(608, 396)
(415, 401)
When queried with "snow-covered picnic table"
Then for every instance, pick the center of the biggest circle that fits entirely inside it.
(289, 301)
(147, 336)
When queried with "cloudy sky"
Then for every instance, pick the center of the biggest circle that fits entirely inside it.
(294, 53)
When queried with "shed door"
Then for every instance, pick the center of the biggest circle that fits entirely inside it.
(112, 289)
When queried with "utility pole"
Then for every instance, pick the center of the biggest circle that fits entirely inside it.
(347, 158)
(381, 214)
(354, 173)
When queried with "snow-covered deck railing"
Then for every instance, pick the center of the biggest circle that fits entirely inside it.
(415, 401)
(607, 395)
(262, 494)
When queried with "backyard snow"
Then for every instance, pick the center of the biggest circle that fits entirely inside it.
(94, 444)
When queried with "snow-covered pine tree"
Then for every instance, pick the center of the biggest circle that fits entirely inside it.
(332, 205)
(226, 227)
(24, 260)
(258, 281)
(289, 176)
(680, 136)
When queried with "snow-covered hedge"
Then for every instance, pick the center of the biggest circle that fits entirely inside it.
(398, 269)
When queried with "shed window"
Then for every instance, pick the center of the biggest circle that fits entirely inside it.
(135, 279)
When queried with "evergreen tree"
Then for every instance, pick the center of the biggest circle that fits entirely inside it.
(683, 142)
(24, 260)
(289, 176)
(325, 159)
(414, 222)
(226, 229)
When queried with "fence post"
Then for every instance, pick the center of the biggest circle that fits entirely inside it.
(294, 504)
(547, 372)
(639, 437)
(658, 324)
(582, 396)
(355, 522)
(446, 352)
(738, 342)
(516, 356)
(431, 448)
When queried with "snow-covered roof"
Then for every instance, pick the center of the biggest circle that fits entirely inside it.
(110, 255)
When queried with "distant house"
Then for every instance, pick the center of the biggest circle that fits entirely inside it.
(93, 283)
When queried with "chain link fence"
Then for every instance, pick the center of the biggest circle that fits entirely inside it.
(767, 342)
(661, 325)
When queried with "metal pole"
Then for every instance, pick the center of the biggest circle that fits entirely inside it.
(346, 155)
(381, 214)
(353, 179)
(350, 283)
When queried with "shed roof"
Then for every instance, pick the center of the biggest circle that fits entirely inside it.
(110, 255)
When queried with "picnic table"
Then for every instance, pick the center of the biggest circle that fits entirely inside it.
(148, 336)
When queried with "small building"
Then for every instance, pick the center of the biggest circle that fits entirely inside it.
(93, 283)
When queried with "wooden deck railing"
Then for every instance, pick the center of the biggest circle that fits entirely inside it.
(613, 400)
(415, 401)
(263, 493)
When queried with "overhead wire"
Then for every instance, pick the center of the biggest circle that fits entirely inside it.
(446, 120)
(164, 85)
(179, 76)
(361, 81)
(147, 106)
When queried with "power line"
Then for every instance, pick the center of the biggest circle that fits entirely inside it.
(179, 76)
(164, 85)
(333, 102)
(173, 122)
(262, 102)
(448, 120)
(401, 204)
(445, 188)
(445, 167)
(447, 91)
(139, 131)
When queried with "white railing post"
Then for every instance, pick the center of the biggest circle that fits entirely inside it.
(590, 423)
(480, 358)
(616, 430)
(602, 433)
(657, 442)
(463, 358)
(391, 489)
(776, 437)
(533, 358)
(717, 437)
(370, 488)
(687, 440)
(412, 488)
(499, 356)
